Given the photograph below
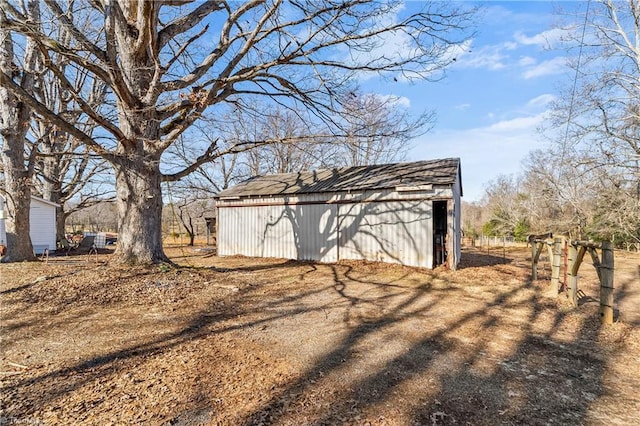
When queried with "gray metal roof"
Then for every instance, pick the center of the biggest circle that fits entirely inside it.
(382, 176)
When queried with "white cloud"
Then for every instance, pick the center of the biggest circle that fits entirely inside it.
(462, 107)
(485, 152)
(546, 39)
(515, 124)
(404, 101)
(458, 51)
(553, 66)
(500, 56)
(490, 57)
(541, 101)
(509, 45)
(526, 61)
(401, 101)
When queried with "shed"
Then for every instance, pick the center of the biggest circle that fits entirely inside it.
(42, 224)
(406, 213)
(3, 229)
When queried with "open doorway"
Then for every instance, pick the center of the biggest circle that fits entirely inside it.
(439, 233)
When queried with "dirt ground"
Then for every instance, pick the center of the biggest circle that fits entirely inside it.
(240, 341)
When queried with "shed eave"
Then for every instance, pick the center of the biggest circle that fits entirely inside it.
(42, 200)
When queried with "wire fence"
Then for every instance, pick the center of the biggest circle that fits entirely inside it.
(489, 241)
(492, 241)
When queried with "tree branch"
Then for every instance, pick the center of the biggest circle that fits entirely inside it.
(53, 118)
(185, 23)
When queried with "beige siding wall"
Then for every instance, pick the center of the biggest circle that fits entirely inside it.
(393, 232)
(457, 221)
(306, 232)
(3, 229)
(42, 224)
(372, 226)
(330, 198)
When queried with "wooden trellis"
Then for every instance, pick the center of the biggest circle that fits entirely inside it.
(604, 267)
(537, 246)
(574, 255)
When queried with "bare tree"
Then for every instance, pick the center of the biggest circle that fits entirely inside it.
(71, 177)
(190, 211)
(152, 58)
(474, 216)
(99, 217)
(285, 143)
(296, 144)
(506, 202)
(595, 128)
(376, 129)
(14, 124)
(66, 169)
(560, 193)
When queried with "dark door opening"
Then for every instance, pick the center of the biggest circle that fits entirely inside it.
(439, 233)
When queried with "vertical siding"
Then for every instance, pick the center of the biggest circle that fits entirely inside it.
(42, 224)
(457, 224)
(393, 231)
(3, 229)
(306, 232)
(315, 231)
(429, 230)
(388, 231)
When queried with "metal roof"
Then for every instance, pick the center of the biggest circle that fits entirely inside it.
(357, 178)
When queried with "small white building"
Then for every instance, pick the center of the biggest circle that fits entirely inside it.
(406, 213)
(3, 228)
(42, 224)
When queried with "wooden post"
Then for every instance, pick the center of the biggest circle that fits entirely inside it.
(572, 278)
(565, 263)
(534, 261)
(555, 264)
(606, 283)
(596, 261)
(536, 249)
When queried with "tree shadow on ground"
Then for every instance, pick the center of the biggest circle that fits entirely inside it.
(462, 390)
(477, 259)
(494, 362)
(44, 389)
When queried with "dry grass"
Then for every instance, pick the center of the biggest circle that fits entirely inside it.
(266, 341)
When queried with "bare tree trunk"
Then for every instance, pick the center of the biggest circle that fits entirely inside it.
(139, 204)
(52, 190)
(187, 222)
(17, 182)
(61, 220)
(14, 122)
(138, 176)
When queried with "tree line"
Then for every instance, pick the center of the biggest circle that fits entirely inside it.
(585, 182)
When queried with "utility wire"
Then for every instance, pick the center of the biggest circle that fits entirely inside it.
(575, 81)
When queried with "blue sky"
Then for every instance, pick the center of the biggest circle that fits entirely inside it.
(496, 94)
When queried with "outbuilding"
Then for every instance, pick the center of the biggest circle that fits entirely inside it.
(42, 224)
(406, 213)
